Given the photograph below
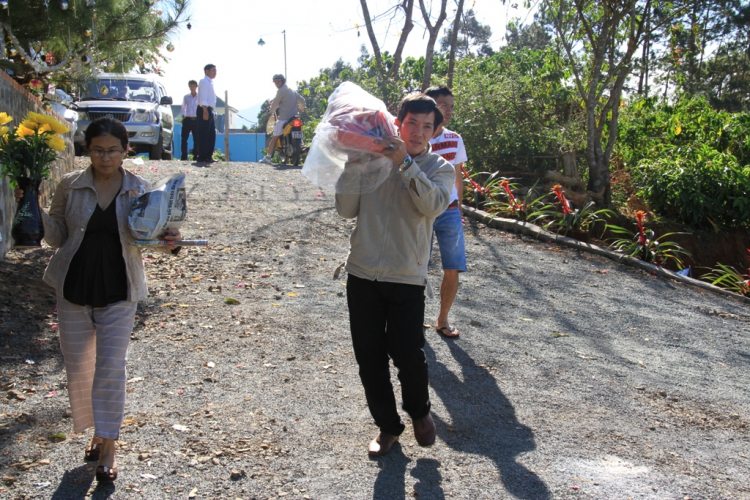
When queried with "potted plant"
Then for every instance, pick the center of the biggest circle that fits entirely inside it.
(26, 153)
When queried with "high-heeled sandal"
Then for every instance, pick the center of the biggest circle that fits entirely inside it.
(93, 451)
(106, 474)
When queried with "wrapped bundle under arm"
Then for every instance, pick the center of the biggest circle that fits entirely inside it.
(162, 208)
(345, 139)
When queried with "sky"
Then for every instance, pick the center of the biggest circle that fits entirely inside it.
(318, 33)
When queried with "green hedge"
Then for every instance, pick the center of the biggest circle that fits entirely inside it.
(696, 185)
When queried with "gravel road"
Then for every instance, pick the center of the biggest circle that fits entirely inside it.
(573, 377)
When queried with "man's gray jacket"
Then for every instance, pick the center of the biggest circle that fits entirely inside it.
(391, 241)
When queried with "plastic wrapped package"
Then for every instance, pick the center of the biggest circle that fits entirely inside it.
(162, 208)
(345, 138)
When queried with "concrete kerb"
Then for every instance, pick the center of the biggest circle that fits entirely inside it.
(528, 229)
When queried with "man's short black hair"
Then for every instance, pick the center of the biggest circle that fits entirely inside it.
(192, 82)
(420, 103)
(438, 91)
(208, 67)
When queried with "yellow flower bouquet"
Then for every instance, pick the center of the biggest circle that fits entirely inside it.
(26, 153)
(28, 150)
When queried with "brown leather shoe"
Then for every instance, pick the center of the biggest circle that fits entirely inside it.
(381, 445)
(106, 474)
(92, 451)
(424, 430)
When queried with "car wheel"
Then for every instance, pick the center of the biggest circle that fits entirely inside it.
(168, 155)
(156, 150)
(78, 149)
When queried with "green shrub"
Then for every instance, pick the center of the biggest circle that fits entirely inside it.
(648, 123)
(516, 110)
(696, 185)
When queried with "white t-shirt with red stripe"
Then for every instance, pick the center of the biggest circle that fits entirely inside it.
(450, 146)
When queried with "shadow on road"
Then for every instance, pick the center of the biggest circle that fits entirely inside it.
(76, 483)
(483, 422)
(429, 484)
(391, 481)
(282, 167)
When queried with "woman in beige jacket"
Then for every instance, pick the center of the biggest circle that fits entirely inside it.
(99, 278)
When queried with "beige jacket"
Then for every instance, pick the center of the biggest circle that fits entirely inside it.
(73, 204)
(391, 241)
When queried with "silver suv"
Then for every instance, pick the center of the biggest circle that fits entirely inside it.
(140, 102)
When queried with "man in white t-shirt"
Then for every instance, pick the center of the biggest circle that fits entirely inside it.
(448, 226)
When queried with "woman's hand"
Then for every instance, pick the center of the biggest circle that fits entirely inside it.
(171, 235)
(18, 194)
(394, 148)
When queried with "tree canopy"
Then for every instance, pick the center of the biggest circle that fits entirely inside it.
(613, 83)
(63, 40)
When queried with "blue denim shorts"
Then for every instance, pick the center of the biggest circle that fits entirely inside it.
(450, 236)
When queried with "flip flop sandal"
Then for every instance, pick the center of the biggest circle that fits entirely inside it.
(106, 474)
(93, 451)
(447, 331)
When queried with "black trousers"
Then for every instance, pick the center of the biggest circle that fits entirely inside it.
(206, 136)
(386, 322)
(189, 125)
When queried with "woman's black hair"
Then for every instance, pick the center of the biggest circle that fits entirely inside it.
(107, 126)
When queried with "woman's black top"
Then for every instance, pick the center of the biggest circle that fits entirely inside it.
(97, 275)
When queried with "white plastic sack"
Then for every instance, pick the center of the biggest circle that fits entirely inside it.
(162, 208)
(352, 123)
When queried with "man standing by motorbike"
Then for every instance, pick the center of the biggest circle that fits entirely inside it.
(288, 103)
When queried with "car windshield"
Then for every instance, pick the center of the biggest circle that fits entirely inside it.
(120, 89)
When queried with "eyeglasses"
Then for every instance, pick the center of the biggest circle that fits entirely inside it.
(100, 153)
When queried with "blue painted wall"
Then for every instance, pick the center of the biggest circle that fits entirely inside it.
(242, 147)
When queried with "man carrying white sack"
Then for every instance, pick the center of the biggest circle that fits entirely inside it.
(387, 267)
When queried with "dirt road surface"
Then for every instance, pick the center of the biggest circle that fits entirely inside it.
(573, 377)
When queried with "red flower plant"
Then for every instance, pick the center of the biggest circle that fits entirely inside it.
(477, 187)
(513, 203)
(557, 189)
(640, 214)
(729, 278)
(644, 244)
